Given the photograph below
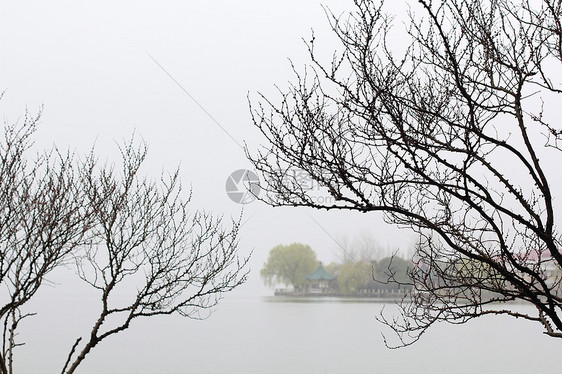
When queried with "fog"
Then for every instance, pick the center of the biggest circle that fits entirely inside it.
(178, 74)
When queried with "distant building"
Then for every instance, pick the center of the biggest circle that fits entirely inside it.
(320, 281)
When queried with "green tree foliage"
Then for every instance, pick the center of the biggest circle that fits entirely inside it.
(333, 268)
(289, 265)
(393, 272)
(354, 276)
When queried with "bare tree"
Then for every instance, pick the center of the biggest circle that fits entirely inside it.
(362, 248)
(446, 136)
(41, 223)
(149, 256)
(132, 239)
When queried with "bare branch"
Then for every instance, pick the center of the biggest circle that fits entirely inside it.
(442, 140)
(150, 255)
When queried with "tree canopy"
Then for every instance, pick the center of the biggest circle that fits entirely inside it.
(455, 134)
(393, 271)
(354, 275)
(289, 265)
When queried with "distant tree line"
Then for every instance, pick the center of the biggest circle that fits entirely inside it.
(289, 265)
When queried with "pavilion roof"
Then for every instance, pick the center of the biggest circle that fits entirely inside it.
(320, 274)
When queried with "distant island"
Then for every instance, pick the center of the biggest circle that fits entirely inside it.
(296, 266)
(323, 284)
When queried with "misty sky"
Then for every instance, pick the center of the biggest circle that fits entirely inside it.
(90, 65)
(102, 70)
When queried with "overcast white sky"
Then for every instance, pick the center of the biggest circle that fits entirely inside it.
(89, 64)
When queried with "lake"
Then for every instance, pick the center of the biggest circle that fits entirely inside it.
(251, 332)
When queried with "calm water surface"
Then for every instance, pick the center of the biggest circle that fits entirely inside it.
(253, 333)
